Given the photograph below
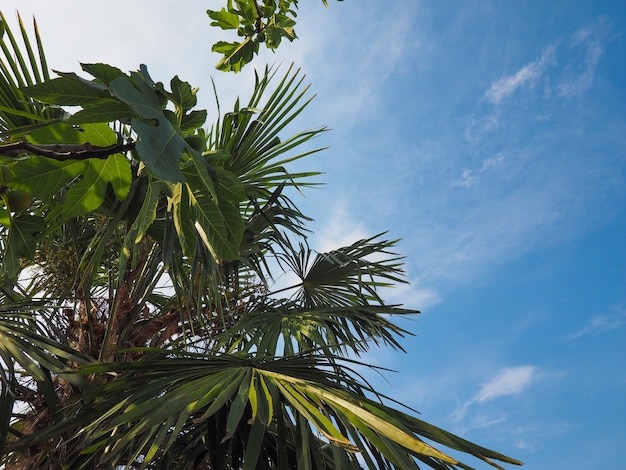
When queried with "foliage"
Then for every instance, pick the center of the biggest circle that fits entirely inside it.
(139, 248)
(257, 23)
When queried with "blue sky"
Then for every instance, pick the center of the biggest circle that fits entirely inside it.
(490, 136)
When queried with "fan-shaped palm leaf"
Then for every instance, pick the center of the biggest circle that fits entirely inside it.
(28, 349)
(346, 276)
(255, 152)
(250, 411)
(269, 324)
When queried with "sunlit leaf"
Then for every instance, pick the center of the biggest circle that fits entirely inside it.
(88, 194)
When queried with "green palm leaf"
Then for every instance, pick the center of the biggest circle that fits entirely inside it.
(20, 67)
(156, 409)
(346, 276)
(256, 153)
(336, 330)
(27, 349)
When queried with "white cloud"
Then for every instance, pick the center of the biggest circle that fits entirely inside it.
(492, 162)
(511, 381)
(466, 180)
(531, 438)
(578, 79)
(472, 236)
(586, 48)
(480, 125)
(526, 76)
(600, 324)
(412, 296)
(469, 178)
(340, 228)
(507, 382)
(350, 79)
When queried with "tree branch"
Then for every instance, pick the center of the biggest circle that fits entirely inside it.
(64, 152)
(259, 16)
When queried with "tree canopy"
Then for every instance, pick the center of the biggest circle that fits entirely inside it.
(138, 326)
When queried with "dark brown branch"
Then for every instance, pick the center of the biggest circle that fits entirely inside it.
(64, 152)
(259, 17)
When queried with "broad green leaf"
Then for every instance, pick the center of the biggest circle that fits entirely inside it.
(5, 216)
(182, 213)
(219, 224)
(193, 120)
(212, 227)
(146, 216)
(160, 149)
(55, 134)
(97, 134)
(247, 10)
(160, 146)
(67, 91)
(44, 177)
(230, 188)
(103, 72)
(236, 54)
(217, 157)
(234, 228)
(106, 111)
(182, 94)
(224, 19)
(197, 142)
(21, 242)
(88, 194)
(144, 102)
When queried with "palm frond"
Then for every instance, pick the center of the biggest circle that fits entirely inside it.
(256, 154)
(30, 352)
(347, 276)
(337, 331)
(21, 66)
(157, 409)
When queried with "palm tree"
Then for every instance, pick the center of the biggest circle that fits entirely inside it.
(141, 324)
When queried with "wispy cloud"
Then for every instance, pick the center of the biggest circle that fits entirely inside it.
(355, 83)
(507, 382)
(533, 437)
(470, 177)
(481, 235)
(341, 228)
(526, 76)
(511, 381)
(466, 180)
(578, 66)
(413, 296)
(600, 324)
(589, 40)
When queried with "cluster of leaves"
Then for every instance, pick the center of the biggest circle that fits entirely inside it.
(256, 22)
(168, 148)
